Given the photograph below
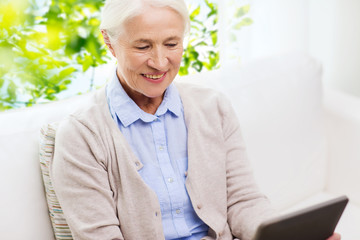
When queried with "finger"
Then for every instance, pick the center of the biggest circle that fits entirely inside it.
(335, 236)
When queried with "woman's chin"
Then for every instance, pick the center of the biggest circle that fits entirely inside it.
(154, 94)
(154, 91)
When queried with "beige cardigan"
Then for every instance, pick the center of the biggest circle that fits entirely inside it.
(96, 179)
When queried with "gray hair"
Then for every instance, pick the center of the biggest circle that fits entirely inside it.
(116, 12)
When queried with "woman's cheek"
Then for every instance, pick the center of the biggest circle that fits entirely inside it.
(137, 59)
(178, 56)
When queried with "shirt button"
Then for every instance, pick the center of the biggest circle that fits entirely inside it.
(170, 180)
(161, 148)
(178, 211)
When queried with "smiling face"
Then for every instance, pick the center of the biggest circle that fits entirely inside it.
(149, 53)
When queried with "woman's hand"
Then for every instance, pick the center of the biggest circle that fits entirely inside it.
(335, 236)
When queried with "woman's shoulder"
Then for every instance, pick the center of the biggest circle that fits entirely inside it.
(202, 95)
(205, 104)
(200, 91)
(88, 114)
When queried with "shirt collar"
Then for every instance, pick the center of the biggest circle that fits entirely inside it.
(128, 112)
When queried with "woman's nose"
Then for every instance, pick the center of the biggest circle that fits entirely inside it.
(158, 60)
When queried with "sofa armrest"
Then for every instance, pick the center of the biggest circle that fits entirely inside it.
(342, 116)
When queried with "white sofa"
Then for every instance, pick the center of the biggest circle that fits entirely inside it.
(303, 142)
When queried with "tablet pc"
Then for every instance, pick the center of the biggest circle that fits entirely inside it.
(317, 222)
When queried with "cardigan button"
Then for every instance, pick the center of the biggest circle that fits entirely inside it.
(199, 205)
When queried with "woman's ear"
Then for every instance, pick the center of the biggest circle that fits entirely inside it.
(107, 41)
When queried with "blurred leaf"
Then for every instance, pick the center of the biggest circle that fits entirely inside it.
(212, 6)
(197, 66)
(214, 37)
(87, 62)
(50, 91)
(11, 90)
(202, 43)
(66, 72)
(62, 87)
(183, 71)
(67, 82)
(242, 11)
(195, 13)
(233, 37)
(94, 22)
(74, 44)
(244, 22)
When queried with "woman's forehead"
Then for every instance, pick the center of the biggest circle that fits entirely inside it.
(160, 23)
(144, 40)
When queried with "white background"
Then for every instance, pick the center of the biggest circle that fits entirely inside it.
(328, 30)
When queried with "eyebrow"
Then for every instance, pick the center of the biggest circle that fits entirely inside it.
(144, 40)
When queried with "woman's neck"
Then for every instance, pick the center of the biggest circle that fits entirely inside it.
(147, 104)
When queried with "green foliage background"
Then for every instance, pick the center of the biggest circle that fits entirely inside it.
(45, 45)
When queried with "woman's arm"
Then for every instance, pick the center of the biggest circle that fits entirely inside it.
(80, 180)
(247, 206)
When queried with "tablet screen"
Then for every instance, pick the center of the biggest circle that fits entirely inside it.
(317, 222)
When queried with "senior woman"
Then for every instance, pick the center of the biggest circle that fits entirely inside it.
(150, 159)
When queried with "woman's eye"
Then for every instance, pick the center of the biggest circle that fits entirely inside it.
(171, 44)
(142, 48)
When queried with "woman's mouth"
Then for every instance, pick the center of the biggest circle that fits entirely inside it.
(155, 78)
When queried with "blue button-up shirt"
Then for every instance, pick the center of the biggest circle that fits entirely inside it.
(160, 143)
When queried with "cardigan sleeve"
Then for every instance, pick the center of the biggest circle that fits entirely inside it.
(81, 183)
(247, 206)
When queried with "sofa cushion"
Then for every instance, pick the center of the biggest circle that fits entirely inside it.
(24, 211)
(280, 111)
(46, 152)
